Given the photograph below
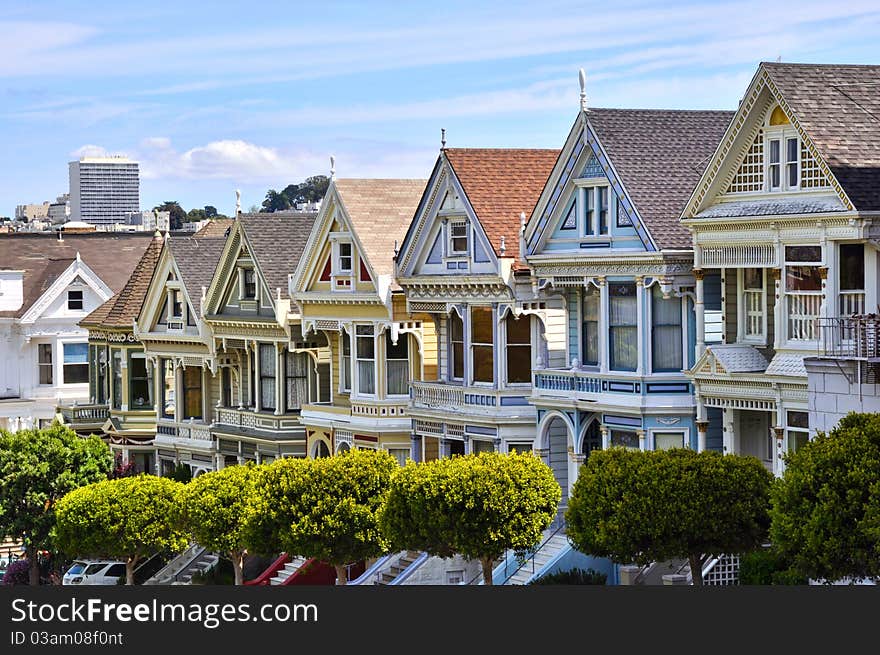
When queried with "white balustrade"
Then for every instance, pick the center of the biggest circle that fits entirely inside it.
(803, 315)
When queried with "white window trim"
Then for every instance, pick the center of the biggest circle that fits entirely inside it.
(649, 341)
(785, 294)
(52, 364)
(336, 271)
(592, 185)
(685, 432)
(781, 133)
(409, 362)
(59, 368)
(450, 364)
(241, 285)
(469, 346)
(742, 318)
(355, 375)
(502, 339)
(342, 388)
(82, 290)
(458, 254)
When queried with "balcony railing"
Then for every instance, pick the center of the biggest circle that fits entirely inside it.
(851, 337)
(249, 420)
(75, 415)
(803, 316)
(449, 397)
(185, 430)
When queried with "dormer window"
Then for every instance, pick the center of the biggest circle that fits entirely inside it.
(344, 260)
(458, 238)
(175, 306)
(595, 203)
(250, 284)
(75, 299)
(782, 153)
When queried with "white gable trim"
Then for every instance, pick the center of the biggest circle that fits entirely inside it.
(155, 298)
(77, 269)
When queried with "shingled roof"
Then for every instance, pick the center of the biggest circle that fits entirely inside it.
(660, 155)
(500, 184)
(196, 258)
(123, 308)
(215, 228)
(838, 106)
(380, 211)
(277, 241)
(43, 258)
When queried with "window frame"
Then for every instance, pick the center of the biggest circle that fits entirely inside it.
(371, 337)
(148, 378)
(338, 259)
(681, 325)
(518, 346)
(473, 344)
(633, 433)
(793, 431)
(452, 252)
(43, 348)
(683, 433)
(345, 368)
(245, 284)
(64, 364)
(271, 348)
(742, 316)
(597, 197)
(632, 326)
(591, 291)
(451, 359)
(187, 390)
(782, 135)
(81, 300)
(789, 294)
(404, 337)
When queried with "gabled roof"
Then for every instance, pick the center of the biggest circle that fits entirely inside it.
(196, 259)
(838, 106)
(660, 155)
(122, 309)
(277, 241)
(738, 358)
(43, 258)
(380, 211)
(500, 184)
(215, 228)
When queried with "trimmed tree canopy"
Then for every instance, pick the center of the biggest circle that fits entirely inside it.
(636, 506)
(37, 468)
(324, 508)
(826, 508)
(214, 507)
(477, 506)
(127, 518)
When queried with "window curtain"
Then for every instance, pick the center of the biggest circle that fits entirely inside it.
(297, 371)
(267, 376)
(192, 392)
(591, 327)
(666, 332)
(366, 359)
(623, 331)
(397, 359)
(346, 361)
(456, 340)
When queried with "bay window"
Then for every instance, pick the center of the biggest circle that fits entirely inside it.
(595, 201)
(365, 352)
(797, 430)
(267, 375)
(482, 344)
(397, 360)
(591, 311)
(623, 326)
(296, 382)
(44, 363)
(116, 359)
(852, 279)
(98, 365)
(226, 386)
(666, 346)
(456, 347)
(75, 363)
(803, 288)
(166, 373)
(345, 367)
(519, 349)
(192, 392)
(140, 382)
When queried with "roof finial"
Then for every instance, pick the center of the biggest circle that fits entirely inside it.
(779, 59)
(582, 78)
(442, 138)
(237, 202)
(332, 167)
(503, 248)
(522, 222)
(396, 251)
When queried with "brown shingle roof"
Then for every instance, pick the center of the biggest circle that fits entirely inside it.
(380, 211)
(839, 108)
(123, 308)
(277, 242)
(660, 155)
(196, 258)
(215, 229)
(42, 257)
(500, 184)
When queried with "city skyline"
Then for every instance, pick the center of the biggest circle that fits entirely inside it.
(260, 96)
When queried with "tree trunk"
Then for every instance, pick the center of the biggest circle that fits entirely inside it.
(696, 569)
(341, 574)
(237, 557)
(33, 566)
(129, 569)
(486, 563)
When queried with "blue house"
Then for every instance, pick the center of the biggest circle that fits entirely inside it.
(605, 236)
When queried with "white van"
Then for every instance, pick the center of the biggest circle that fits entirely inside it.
(89, 571)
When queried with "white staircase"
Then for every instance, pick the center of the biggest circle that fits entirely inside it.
(289, 569)
(549, 548)
(180, 570)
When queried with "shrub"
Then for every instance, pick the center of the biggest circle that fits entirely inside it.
(573, 576)
(767, 566)
(17, 573)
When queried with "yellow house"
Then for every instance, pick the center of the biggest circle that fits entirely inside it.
(345, 289)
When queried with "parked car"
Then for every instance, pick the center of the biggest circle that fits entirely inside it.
(94, 572)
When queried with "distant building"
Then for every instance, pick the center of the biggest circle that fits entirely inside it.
(104, 190)
(146, 221)
(59, 211)
(31, 212)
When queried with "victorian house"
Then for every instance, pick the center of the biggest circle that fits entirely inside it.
(121, 379)
(48, 283)
(782, 223)
(460, 266)
(181, 351)
(345, 289)
(605, 238)
(262, 369)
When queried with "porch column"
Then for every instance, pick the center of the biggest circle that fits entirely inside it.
(279, 380)
(178, 392)
(830, 283)
(218, 461)
(779, 448)
(780, 326)
(603, 324)
(702, 428)
(206, 403)
(606, 437)
(256, 384)
(467, 444)
(444, 448)
(640, 324)
(729, 437)
(415, 450)
(242, 370)
(643, 440)
(699, 311)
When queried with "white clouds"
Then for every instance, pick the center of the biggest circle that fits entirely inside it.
(90, 150)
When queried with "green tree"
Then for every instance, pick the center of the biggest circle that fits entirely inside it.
(826, 507)
(635, 506)
(210, 211)
(128, 518)
(177, 215)
(37, 468)
(195, 215)
(214, 508)
(314, 188)
(324, 508)
(275, 202)
(477, 506)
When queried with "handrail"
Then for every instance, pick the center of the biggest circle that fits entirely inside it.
(269, 573)
(367, 575)
(531, 557)
(409, 570)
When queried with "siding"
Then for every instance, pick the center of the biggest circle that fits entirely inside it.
(768, 352)
(558, 445)
(429, 348)
(715, 434)
(730, 303)
(555, 334)
(442, 354)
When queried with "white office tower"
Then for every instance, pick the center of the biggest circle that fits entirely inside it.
(103, 190)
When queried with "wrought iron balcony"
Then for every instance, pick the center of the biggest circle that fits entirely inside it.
(851, 337)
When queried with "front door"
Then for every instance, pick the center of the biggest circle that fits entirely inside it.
(755, 438)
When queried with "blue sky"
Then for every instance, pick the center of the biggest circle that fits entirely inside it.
(214, 96)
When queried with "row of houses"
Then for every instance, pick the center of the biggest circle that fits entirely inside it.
(705, 279)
